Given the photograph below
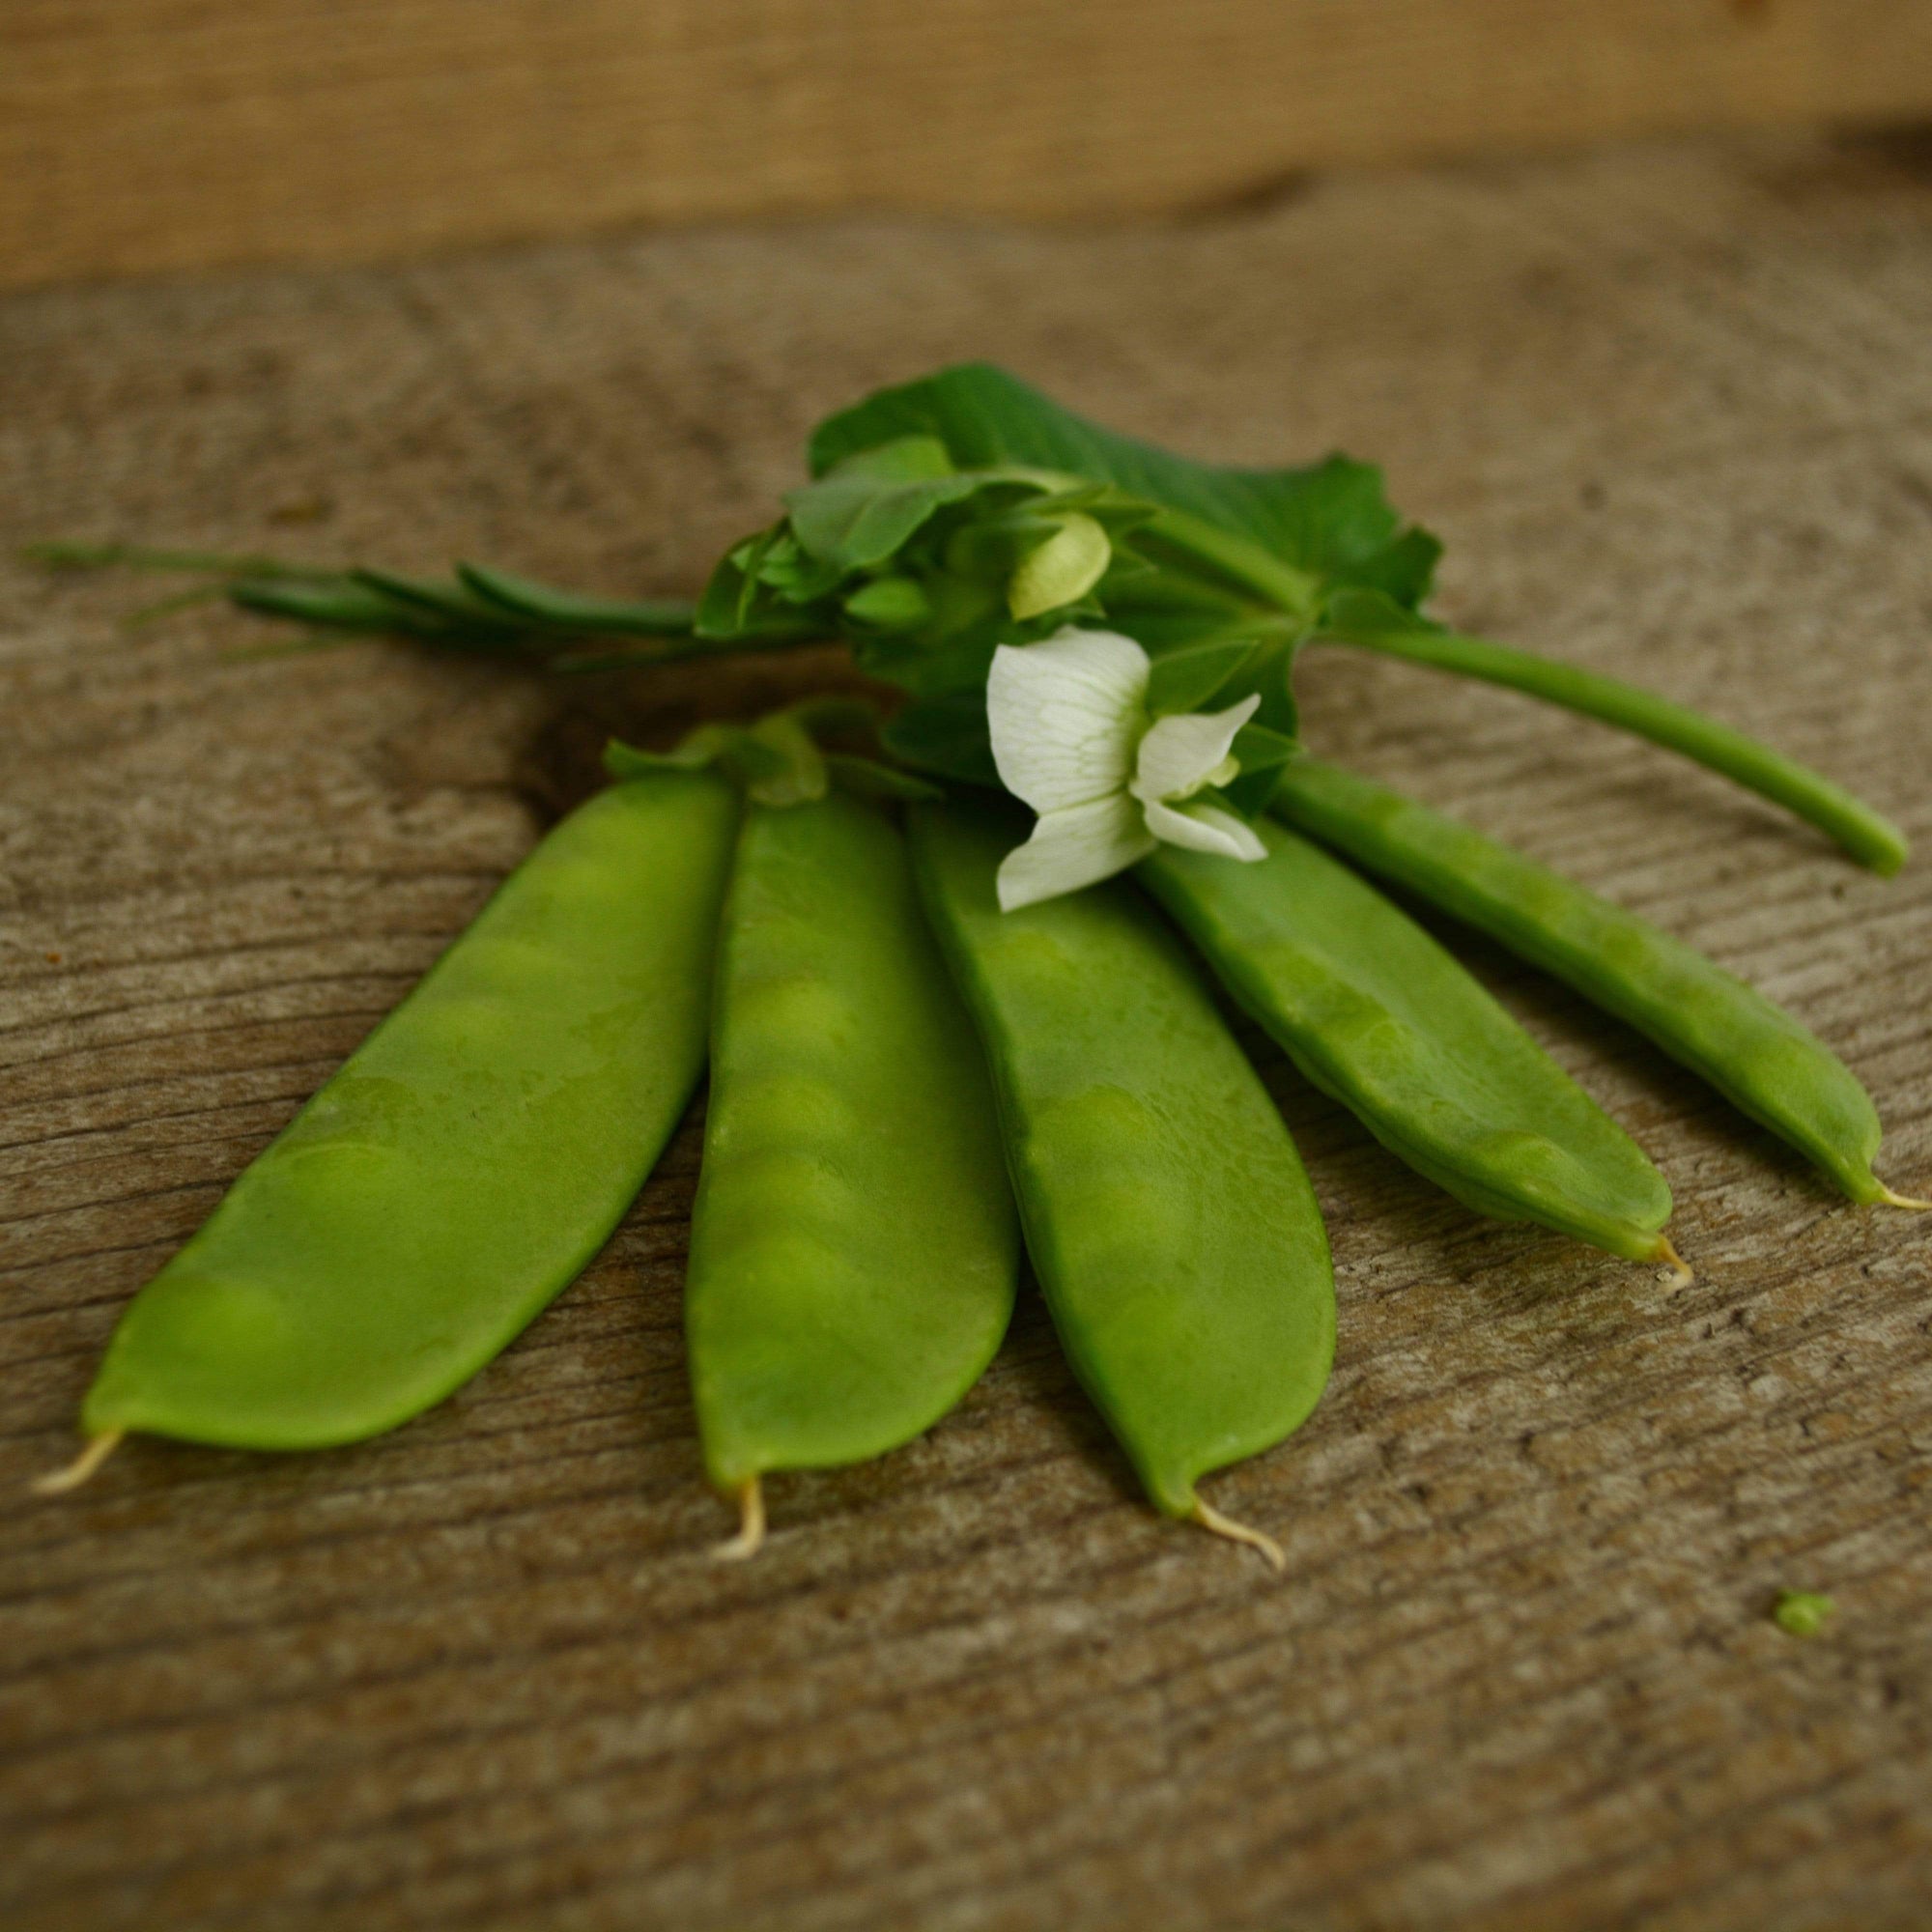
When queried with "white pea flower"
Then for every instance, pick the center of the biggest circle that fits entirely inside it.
(1071, 737)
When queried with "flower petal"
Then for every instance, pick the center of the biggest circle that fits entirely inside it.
(1205, 828)
(1064, 716)
(1180, 754)
(1073, 847)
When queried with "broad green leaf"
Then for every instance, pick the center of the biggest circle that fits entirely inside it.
(1330, 518)
(912, 459)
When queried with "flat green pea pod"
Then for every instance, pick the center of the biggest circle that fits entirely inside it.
(1379, 1017)
(1755, 1053)
(464, 1164)
(1173, 1229)
(854, 1248)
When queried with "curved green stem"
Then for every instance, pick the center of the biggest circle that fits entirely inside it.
(1295, 591)
(1867, 836)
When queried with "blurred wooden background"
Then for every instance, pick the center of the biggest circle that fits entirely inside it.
(143, 136)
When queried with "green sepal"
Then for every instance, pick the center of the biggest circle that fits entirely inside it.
(778, 760)
(1184, 680)
(772, 762)
(890, 604)
(1264, 754)
(730, 592)
(760, 588)
(1262, 750)
(868, 778)
(792, 575)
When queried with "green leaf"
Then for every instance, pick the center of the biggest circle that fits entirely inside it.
(1252, 793)
(890, 604)
(782, 565)
(1261, 750)
(1264, 754)
(533, 603)
(1185, 680)
(911, 458)
(343, 604)
(451, 603)
(858, 522)
(1330, 518)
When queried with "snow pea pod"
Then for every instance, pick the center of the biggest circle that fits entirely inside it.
(1755, 1053)
(854, 1248)
(1382, 1018)
(463, 1165)
(1168, 1217)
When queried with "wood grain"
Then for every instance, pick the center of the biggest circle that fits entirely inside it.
(138, 136)
(1671, 410)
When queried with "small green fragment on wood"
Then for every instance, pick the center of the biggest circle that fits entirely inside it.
(1801, 1612)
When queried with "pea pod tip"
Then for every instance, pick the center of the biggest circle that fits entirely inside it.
(1888, 1198)
(750, 1536)
(1682, 1273)
(1216, 1525)
(61, 1482)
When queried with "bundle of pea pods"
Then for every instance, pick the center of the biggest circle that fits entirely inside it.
(953, 968)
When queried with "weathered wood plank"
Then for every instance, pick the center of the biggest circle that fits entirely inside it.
(138, 136)
(1673, 413)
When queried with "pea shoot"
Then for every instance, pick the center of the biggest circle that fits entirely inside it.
(934, 1025)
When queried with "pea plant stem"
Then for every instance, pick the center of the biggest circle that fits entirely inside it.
(1869, 838)
(1866, 834)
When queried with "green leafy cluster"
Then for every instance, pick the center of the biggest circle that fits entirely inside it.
(952, 515)
(965, 511)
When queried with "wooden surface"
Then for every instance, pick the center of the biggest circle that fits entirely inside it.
(157, 134)
(1673, 413)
